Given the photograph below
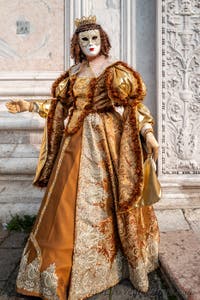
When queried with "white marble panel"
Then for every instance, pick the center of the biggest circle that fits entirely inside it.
(178, 43)
(32, 35)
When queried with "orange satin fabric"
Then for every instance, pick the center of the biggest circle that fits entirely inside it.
(55, 235)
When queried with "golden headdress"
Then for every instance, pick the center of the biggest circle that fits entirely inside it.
(85, 20)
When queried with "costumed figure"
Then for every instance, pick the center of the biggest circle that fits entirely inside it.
(93, 228)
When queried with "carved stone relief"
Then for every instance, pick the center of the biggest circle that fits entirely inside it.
(180, 87)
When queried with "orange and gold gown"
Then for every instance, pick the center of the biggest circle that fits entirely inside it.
(91, 230)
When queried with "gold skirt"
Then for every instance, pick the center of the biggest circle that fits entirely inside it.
(74, 249)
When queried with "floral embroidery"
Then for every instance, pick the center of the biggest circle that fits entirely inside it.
(49, 282)
(108, 245)
(28, 275)
(30, 279)
(92, 256)
(140, 243)
(96, 247)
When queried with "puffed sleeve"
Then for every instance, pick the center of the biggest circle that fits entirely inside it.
(125, 85)
(127, 88)
(144, 117)
(41, 107)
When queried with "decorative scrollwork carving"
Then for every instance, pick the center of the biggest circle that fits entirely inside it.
(181, 86)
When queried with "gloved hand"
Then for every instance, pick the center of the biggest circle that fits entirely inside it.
(152, 145)
(17, 106)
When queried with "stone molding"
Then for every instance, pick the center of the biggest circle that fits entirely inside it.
(26, 84)
(128, 34)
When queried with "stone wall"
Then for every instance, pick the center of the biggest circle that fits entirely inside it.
(159, 38)
(34, 50)
(32, 55)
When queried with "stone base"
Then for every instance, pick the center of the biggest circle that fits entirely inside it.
(18, 196)
(20, 138)
(179, 194)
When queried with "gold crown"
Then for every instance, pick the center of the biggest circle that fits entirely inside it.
(85, 20)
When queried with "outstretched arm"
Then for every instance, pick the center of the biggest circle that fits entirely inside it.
(39, 106)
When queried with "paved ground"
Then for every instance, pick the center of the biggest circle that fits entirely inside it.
(180, 250)
(179, 258)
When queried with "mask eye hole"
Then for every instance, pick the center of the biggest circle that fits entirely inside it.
(94, 37)
(85, 39)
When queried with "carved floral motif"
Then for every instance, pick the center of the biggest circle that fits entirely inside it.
(181, 86)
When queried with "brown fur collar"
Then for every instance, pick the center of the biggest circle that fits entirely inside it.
(57, 81)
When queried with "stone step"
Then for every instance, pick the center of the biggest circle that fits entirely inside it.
(19, 165)
(189, 199)
(180, 261)
(19, 150)
(193, 218)
(21, 121)
(18, 196)
(20, 137)
(180, 193)
(18, 190)
(171, 220)
(33, 197)
(8, 210)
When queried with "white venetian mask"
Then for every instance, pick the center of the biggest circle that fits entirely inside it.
(90, 42)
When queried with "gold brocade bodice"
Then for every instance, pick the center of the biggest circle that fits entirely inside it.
(90, 96)
(80, 90)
